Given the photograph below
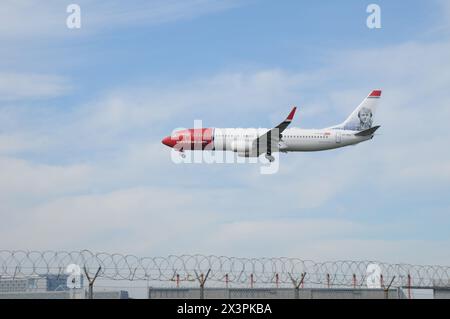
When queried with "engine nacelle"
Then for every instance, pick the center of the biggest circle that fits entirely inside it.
(246, 154)
(241, 146)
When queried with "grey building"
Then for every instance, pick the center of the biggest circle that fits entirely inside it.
(36, 283)
(22, 284)
(79, 294)
(58, 282)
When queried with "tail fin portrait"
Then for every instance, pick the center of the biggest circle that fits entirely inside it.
(363, 116)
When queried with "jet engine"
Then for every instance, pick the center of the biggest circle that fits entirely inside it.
(240, 146)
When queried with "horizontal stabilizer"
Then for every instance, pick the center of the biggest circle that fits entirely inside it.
(368, 132)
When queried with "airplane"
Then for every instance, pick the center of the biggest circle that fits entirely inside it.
(251, 142)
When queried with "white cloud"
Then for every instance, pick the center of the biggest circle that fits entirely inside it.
(114, 13)
(146, 218)
(253, 93)
(385, 250)
(319, 239)
(17, 143)
(19, 86)
(442, 24)
(20, 177)
(33, 18)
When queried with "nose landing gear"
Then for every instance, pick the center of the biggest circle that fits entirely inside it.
(182, 154)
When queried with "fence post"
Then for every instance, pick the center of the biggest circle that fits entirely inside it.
(297, 285)
(302, 280)
(354, 281)
(328, 281)
(409, 286)
(386, 289)
(251, 281)
(91, 282)
(226, 280)
(277, 280)
(202, 287)
(202, 279)
(148, 286)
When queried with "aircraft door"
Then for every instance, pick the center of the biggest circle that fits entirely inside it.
(338, 137)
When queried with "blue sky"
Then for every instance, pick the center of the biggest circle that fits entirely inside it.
(82, 114)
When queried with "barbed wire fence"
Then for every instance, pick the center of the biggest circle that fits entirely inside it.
(220, 271)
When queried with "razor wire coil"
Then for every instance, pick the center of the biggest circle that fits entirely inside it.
(229, 270)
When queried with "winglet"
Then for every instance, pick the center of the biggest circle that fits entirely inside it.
(291, 115)
(375, 93)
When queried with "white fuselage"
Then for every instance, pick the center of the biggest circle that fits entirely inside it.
(293, 139)
(252, 142)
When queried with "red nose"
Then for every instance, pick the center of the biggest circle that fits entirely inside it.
(168, 141)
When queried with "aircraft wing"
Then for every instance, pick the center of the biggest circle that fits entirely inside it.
(268, 142)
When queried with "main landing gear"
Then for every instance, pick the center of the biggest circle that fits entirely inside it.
(269, 157)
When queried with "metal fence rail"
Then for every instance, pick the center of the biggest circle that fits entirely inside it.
(224, 270)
